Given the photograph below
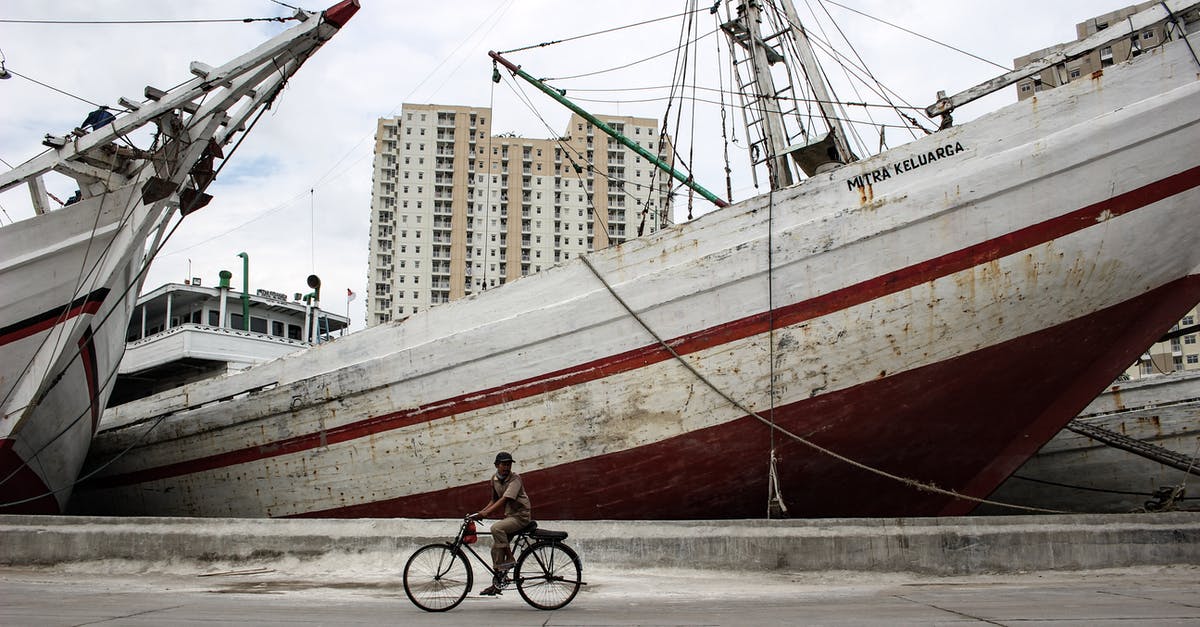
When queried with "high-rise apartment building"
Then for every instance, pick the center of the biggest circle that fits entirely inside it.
(1175, 355)
(1096, 60)
(456, 210)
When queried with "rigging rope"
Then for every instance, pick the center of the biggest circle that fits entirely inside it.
(912, 483)
(50, 87)
(245, 20)
(916, 34)
(724, 134)
(487, 206)
(602, 32)
(1090, 489)
(632, 63)
(566, 151)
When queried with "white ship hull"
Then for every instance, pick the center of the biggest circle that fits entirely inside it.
(1038, 249)
(72, 278)
(1077, 473)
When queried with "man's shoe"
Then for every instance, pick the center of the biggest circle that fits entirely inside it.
(489, 591)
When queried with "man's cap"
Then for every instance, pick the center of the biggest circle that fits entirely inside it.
(503, 457)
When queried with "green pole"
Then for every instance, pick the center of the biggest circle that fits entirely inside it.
(628, 143)
(245, 289)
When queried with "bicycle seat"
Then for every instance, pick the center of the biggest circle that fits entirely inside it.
(540, 534)
(546, 534)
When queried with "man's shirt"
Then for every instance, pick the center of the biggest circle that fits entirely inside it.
(513, 488)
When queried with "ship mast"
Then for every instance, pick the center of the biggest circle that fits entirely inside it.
(765, 116)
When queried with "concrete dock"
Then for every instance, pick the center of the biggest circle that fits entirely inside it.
(997, 570)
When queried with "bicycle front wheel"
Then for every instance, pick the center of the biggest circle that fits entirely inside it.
(437, 578)
(548, 575)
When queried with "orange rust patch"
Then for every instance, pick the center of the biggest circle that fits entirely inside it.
(866, 194)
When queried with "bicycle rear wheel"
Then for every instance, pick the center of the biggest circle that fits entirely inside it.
(437, 577)
(548, 575)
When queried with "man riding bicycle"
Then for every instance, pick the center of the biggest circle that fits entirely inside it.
(508, 496)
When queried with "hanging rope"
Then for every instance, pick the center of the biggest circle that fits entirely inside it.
(245, 20)
(724, 134)
(602, 32)
(912, 483)
(632, 63)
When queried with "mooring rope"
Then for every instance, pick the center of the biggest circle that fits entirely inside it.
(913, 483)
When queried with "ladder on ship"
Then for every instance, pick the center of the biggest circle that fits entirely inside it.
(768, 113)
(762, 104)
(1149, 451)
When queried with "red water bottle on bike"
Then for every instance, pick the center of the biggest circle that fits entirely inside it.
(469, 536)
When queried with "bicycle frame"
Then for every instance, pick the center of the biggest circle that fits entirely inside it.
(519, 545)
(547, 574)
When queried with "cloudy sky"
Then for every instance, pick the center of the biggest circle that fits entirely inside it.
(296, 196)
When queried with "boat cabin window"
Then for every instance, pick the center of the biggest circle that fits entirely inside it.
(214, 318)
(258, 325)
(236, 321)
(195, 317)
(277, 328)
(294, 331)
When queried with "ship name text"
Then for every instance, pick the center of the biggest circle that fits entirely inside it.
(903, 166)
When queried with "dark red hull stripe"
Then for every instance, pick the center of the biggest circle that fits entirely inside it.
(87, 353)
(964, 424)
(825, 304)
(87, 304)
(23, 484)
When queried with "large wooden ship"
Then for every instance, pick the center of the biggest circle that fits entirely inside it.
(891, 336)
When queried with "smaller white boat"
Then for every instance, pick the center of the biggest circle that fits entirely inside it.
(1136, 447)
(184, 332)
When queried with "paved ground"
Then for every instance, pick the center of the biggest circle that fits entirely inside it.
(282, 593)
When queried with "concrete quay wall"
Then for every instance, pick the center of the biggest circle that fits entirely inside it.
(937, 546)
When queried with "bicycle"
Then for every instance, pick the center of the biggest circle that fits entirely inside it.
(547, 574)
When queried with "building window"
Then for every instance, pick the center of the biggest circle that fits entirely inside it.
(1189, 339)
(1191, 359)
(293, 332)
(258, 325)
